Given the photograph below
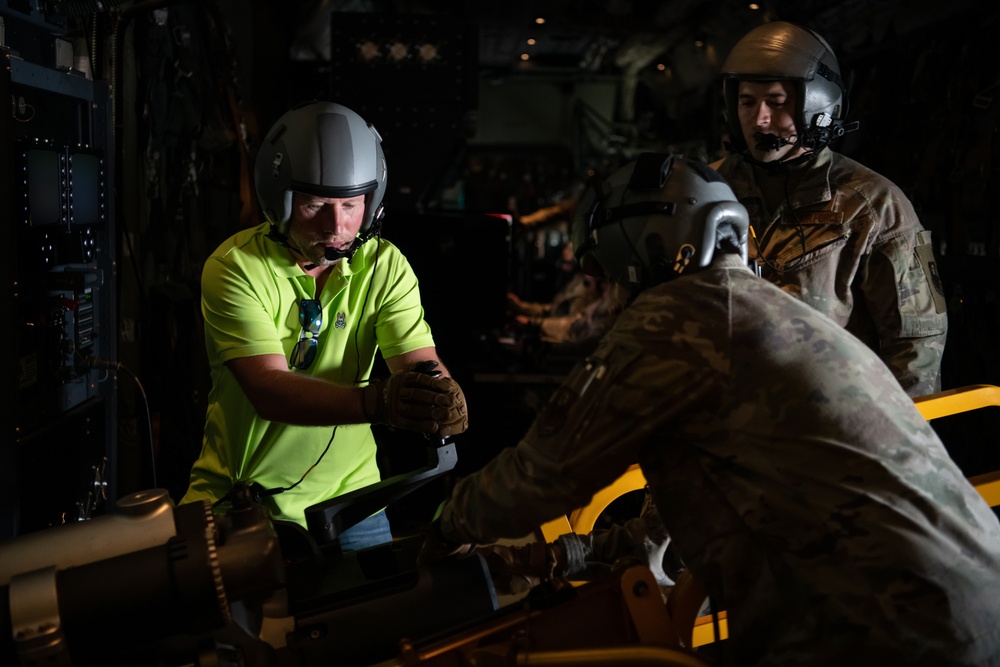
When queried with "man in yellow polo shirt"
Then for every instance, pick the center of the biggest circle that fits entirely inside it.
(294, 312)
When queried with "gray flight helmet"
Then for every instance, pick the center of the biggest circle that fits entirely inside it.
(322, 149)
(782, 51)
(657, 218)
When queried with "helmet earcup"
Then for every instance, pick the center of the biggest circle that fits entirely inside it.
(656, 218)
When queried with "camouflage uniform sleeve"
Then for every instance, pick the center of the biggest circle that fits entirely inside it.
(552, 470)
(589, 433)
(903, 292)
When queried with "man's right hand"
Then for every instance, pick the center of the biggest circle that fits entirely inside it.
(417, 402)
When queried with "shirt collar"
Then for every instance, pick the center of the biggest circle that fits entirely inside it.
(814, 179)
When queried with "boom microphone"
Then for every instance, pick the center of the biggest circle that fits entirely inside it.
(771, 142)
(333, 254)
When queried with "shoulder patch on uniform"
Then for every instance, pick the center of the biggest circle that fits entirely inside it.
(925, 255)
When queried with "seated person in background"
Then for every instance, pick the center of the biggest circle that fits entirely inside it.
(806, 492)
(575, 294)
(582, 334)
(568, 337)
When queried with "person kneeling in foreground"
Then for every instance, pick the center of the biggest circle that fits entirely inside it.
(798, 481)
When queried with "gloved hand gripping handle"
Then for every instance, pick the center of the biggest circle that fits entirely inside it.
(430, 367)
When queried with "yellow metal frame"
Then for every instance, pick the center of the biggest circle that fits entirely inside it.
(954, 401)
(941, 404)
(964, 399)
(583, 519)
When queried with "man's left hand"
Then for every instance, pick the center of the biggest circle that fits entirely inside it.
(416, 402)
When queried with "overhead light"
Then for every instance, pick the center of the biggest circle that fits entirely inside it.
(427, 52)
(525, 56)
(540, 20)
(368, 50)
(754, 6)
(397, 51)
(531, 41)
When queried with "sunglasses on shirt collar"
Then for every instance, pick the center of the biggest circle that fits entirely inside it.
(311, 319)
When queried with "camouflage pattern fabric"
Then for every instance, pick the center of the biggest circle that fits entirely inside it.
(804, 488)
(850, 245)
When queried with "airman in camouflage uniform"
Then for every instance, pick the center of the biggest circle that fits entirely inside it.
(826, 229)
(804, 487)
(848, 242)
(805, 490)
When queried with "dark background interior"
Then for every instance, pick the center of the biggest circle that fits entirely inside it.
(477, 124)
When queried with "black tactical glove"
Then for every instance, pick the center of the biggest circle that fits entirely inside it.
(417, 402)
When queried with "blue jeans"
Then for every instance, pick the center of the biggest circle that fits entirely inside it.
(367, 533)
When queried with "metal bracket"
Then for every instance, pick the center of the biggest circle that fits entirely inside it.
(647, 609)
(36, 626)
